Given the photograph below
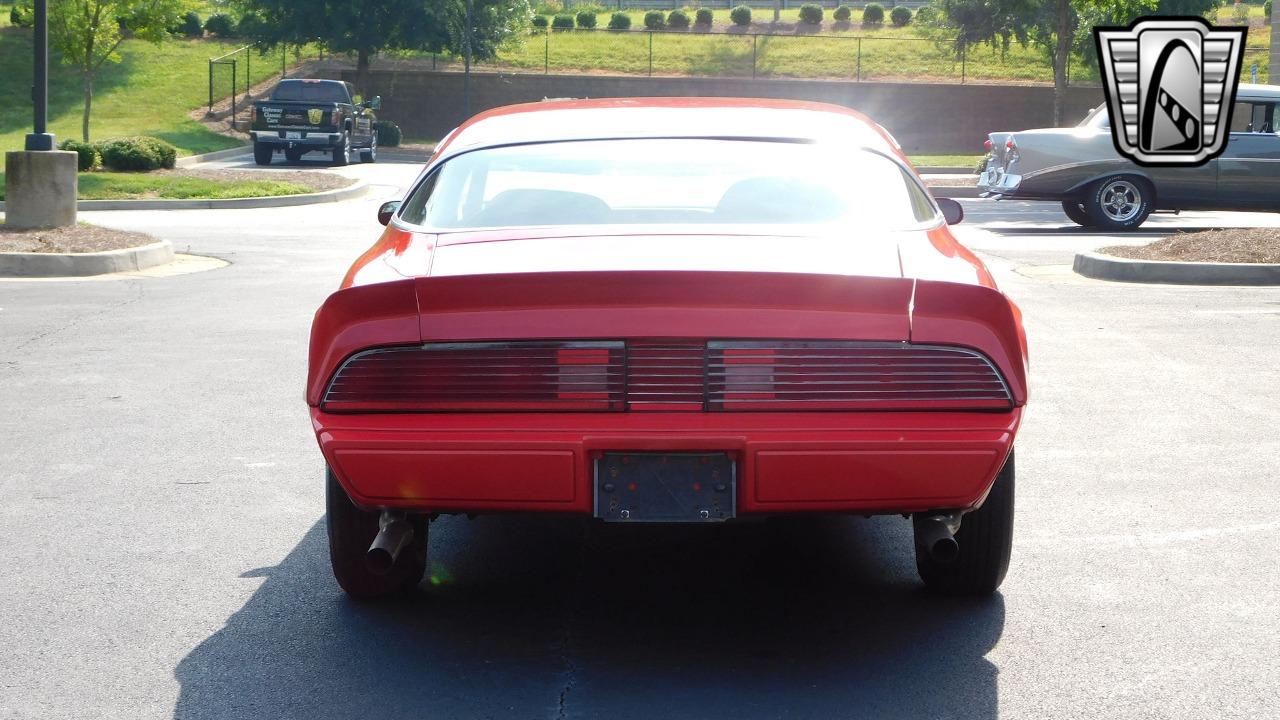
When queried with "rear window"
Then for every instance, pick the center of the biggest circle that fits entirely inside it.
(320, 92)
(668, 181)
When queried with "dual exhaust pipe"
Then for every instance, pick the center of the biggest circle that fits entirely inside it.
(936, 535)
(395, 532)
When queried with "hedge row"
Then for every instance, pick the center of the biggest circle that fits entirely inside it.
(124, 154)
(810, 13)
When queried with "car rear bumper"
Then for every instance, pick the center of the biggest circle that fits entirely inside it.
(883, 462)
(305, 139)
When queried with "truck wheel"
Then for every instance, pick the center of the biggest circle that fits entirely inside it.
(1120, 202)
(986, 541)
(262, 153)
(293, 155)
(351, 531)
(342, 151)
(1075, 212)
(370, 154)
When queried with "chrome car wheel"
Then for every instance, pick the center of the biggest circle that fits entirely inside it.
(1121, 202)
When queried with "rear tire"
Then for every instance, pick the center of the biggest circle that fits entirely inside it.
(1119, 202)
(351, 531)
(342, 151)
(986, 542)
(370, 154)
(262, 153)
(1076, 213)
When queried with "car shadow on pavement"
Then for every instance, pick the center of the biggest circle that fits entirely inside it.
(530, 618)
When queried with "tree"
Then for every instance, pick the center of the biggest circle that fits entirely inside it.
(88, 33)
(1059, 26)
(371, 26)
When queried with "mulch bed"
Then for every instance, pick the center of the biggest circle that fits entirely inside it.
(1236, 245)
(73, 239)
(317, 181)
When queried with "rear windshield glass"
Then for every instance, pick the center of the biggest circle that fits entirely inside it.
(604, 182)
(325, 92)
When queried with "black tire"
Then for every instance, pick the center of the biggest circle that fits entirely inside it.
(1076, 213)
(1119, 202)
(351, 530)
(986, 542)
(342, 151)
(262, 153)
(292, 155)
(370, 154)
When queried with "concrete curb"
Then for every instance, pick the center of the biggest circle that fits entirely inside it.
(1106, 267)
(355, 190)
(190, 160)
(29, 265)
(954, 191)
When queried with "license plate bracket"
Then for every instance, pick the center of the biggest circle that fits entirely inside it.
(665, 487)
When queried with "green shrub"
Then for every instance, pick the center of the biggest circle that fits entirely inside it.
(249, 26)
(926, 15)
(540, 21)
(655, 20)
(22, 16)
(678, 19)
(389, 134)
(586, 19)
(562, 22)
(137, 154)
(1266, 10)
(900, 16)
(220, 24)
(191, 25)
(873, 14)
(842, 14)
(741, 16)
(620, 21)
(87, 154)
(704, 16)
(811, 14)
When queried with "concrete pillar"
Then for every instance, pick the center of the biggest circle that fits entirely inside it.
(40, 189)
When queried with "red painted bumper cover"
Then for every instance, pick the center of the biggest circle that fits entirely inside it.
(787, 462)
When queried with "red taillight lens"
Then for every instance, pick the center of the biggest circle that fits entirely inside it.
(986, 145)
(750, 375)
(1010, 144)
(335, 117)
(478, 377)
(805, 376)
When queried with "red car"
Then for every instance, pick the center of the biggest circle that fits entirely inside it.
(668, 310)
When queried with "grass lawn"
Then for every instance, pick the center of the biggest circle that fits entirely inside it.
(851, 51)
(964, 161)
(149, 92)
(122, 186)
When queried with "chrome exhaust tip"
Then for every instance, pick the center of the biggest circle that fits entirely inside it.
(395, 532)
(935, 535)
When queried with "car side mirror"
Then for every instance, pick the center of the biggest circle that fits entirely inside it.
(952, 212)
(375, 103)
(388, 209)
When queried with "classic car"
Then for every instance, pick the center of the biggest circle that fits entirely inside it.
(303, 116)
(1080, 168)
(668, 310)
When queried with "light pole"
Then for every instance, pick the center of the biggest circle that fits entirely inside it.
(41, 139)
(466, 74)
(40, 183)
(1275, 46)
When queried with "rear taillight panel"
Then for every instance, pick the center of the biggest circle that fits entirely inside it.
(668, 376)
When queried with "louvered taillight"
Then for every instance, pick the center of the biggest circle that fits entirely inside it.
(667, 376)
(481, 377)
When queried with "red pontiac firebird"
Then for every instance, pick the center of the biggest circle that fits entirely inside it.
(668, 310)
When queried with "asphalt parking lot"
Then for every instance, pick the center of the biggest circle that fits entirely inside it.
(166, 554)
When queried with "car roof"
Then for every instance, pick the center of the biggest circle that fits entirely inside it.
(725, 118)
(1263, 92)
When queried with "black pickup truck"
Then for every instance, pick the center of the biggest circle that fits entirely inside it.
(315, 115)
